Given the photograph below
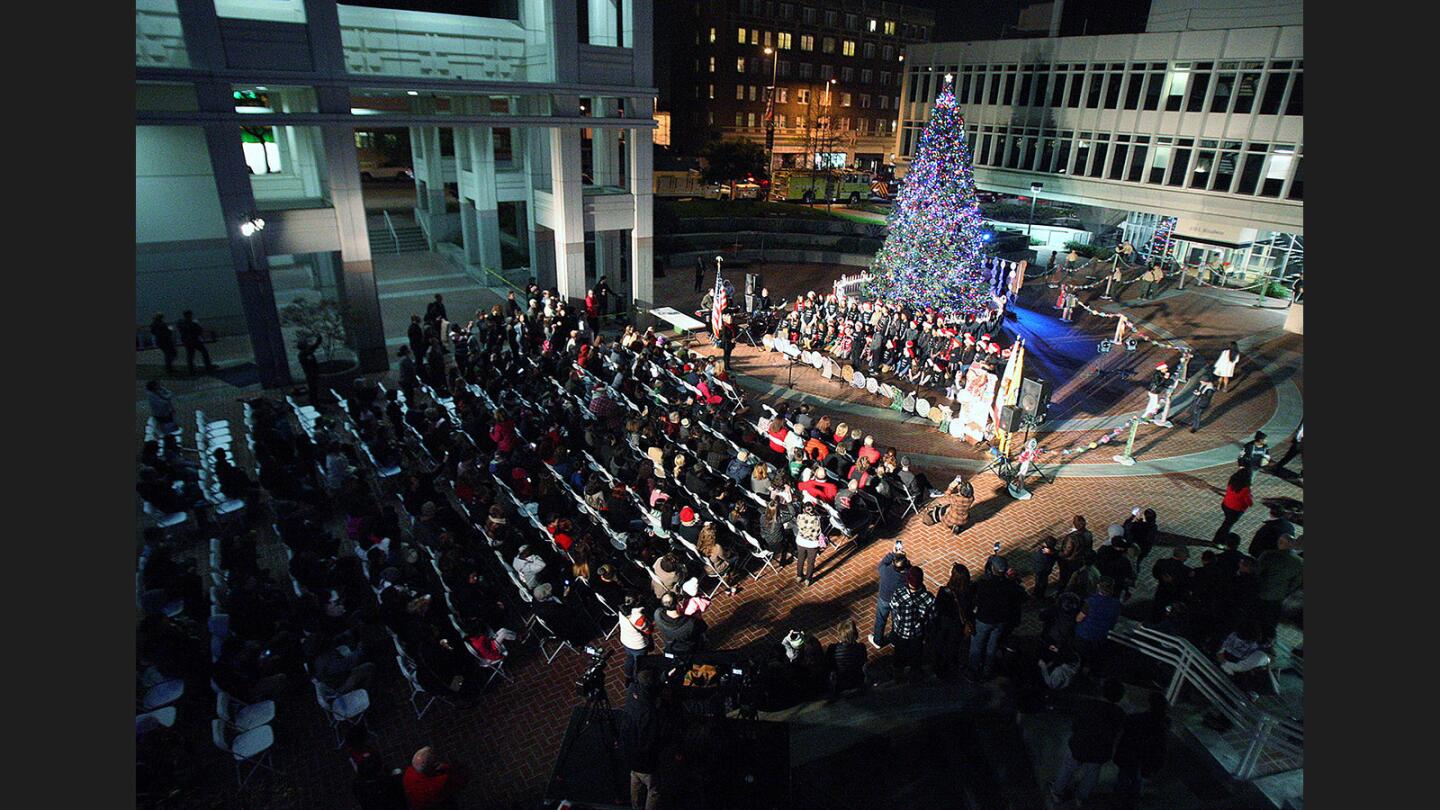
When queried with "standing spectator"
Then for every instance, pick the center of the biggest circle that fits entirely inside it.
(1140, 753)
(699, 273)
(1293, 450)
(954, 619)
(431, 783)
(1152, 277)
(1204, 392)
(602, 296)
(846, 659)
(1256, 453)
(164, 338)
(667, 575)
(1226, 363)
(682, 634)
(1098, 723)
(1099, 615)
(435, 312)
(997, 599)
(416, 335)
(1280, 572)
(162, 406)
(192, 337)
(1072, 553)
(1159, 384)
(644, 729)
(892, 570)
(911, 608)
(635, 631)
(1172, 577)
(310, 366)
(592, 312)
(1269, 534)
(407, 371)
(1237, 499)
(1141, 533)
(809, 539)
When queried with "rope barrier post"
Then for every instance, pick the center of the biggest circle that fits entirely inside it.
(1126, 459)
(1183, 272)
(1260, 292)
(1164, 420)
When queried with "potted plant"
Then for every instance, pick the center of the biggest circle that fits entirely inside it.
(321, 329)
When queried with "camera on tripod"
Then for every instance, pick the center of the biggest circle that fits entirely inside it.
(592, 681)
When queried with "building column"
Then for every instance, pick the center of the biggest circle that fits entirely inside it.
(467, 231)
(534, 144)
(359, 295)
(568, 203)
(605, 146)
(486, 213)
(642, 235)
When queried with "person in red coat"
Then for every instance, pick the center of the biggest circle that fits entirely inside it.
(431, 783)
(503, 432)
(819, 487)
(1237, 500)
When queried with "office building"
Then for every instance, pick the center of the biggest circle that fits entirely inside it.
(1199, 118)
(529, 134)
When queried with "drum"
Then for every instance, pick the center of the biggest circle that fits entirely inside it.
(871, 385)
(848, 372)
(909, 405)
(817, 359)
(792, 351)
(781, 343)
(936, 415)
(806, 356)
(957, 428)
(828, 371)
(768, 341)
(922, 407)
(857, 379)
(887, 390)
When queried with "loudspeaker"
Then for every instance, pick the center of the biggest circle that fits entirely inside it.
(1010, 418)
(1034, 397)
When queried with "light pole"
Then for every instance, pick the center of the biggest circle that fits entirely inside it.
(829, 128)
(770, 118)
(1034, 195)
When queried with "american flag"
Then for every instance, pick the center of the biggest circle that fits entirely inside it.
(717, 307)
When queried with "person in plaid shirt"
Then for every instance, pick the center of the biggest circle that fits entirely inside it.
(910, 613)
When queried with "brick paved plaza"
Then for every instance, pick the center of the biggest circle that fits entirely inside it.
(510, 738)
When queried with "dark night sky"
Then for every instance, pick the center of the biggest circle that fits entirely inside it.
(974, 20)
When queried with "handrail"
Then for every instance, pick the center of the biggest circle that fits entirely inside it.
(394, 239)
(424, 226)
(1263, 729)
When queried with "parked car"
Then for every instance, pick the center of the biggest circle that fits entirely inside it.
(389, 172)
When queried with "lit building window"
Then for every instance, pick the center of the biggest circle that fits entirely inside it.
(712, 36)
(741, 33)
(848, 49)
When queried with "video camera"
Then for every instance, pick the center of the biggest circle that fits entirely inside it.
(592, 681)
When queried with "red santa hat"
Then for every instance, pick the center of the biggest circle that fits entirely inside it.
(687, 515)
(969, 338)
(994, 347)
(1162, 366)
(1005, 353)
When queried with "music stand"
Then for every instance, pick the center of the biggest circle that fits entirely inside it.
(1000, 463)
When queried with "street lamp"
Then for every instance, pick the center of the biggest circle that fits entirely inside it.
(1034, 195)
(829, 130)
(770, 120)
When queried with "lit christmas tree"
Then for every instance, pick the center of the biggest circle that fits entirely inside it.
(932, 255)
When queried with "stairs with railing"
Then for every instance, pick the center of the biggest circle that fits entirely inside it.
(391, 237)
(1255, 738)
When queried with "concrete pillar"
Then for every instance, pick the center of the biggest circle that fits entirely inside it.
(486, 213)
(642, 234)
(609, 258)
(252, 270)
(542, 256)
(467, 231)
(535, 157)
(605, 146)
(359, 295)
(568, 203)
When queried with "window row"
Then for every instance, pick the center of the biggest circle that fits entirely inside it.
(1229, 167)
(832, 17)
(1209, 87)
(799, 123)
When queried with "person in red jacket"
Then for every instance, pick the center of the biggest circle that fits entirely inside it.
(819, 487)
(503, 431)
(431, 783)
(1237, 500)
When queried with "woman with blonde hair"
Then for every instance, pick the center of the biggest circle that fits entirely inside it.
(760, 480)
(841, 431)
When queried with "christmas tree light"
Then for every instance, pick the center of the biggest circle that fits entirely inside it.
(933, 252)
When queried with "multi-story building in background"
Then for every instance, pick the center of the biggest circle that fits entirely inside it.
(1199, 119)
(524, 126)
(835, 66)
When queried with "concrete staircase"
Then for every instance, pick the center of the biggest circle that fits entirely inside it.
(407, 239)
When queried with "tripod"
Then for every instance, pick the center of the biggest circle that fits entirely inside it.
(1035, 466)
(1000, 463)
(597, 713)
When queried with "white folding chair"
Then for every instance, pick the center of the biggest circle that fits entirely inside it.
(416, 690)
(341, 710)
(243, 716)
(149, 721)
(162, 694)
(251, 746)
